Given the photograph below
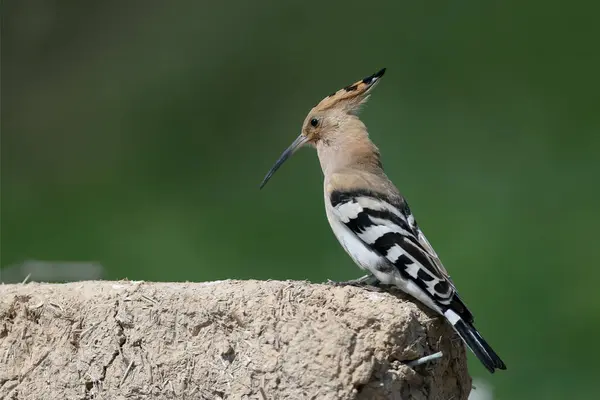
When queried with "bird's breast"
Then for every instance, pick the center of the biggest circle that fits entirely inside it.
(363, 256)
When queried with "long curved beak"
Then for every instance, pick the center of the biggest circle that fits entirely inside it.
(299, 142)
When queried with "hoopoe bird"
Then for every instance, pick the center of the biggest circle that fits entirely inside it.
(371, 219)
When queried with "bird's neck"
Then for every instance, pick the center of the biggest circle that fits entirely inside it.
(349, 148)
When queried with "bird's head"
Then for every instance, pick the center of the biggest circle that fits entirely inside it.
(332, 117)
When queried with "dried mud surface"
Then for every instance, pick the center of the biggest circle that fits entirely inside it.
(221, 340)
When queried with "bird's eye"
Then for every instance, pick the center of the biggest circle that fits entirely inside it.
(314, 122)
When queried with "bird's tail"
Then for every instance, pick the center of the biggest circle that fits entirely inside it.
(474, 340)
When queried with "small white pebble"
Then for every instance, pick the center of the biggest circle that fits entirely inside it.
(375, 296)
(213, 282)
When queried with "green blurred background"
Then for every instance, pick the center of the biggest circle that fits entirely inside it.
(135, 134)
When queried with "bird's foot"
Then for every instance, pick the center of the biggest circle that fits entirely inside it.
(368, 282)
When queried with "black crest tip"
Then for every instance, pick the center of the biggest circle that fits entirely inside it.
(374, 77)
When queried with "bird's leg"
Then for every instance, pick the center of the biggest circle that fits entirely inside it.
(364, 280)
(369, 282)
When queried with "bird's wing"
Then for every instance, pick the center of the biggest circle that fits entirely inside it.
(388, 227)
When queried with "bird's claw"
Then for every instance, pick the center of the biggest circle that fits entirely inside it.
(368, 282)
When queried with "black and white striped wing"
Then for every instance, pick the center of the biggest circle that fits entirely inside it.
(388, 227)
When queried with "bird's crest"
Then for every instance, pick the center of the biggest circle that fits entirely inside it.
(351, 97)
